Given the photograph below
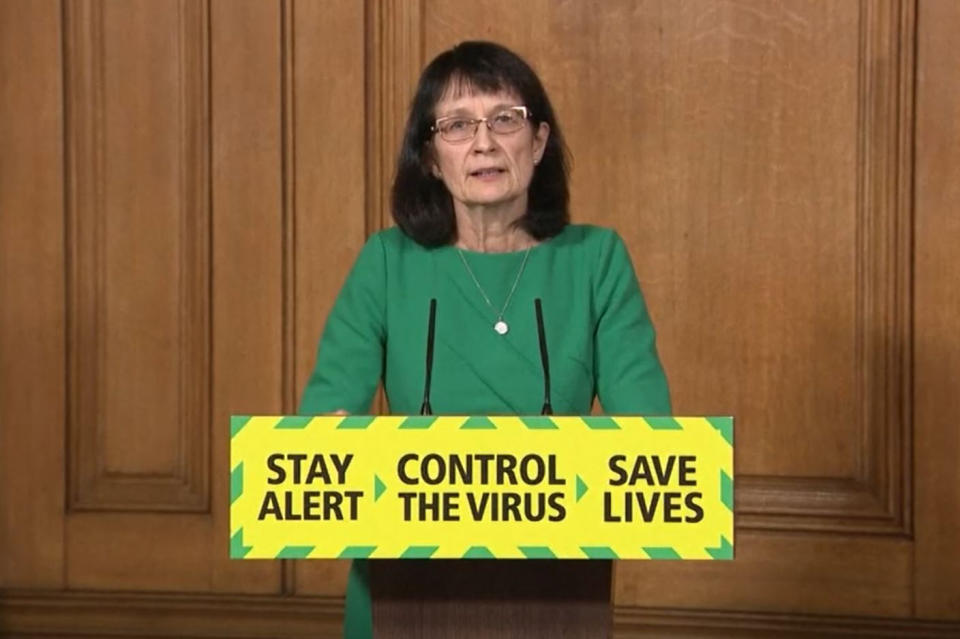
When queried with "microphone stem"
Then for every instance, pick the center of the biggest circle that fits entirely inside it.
(544, 359)
(425, 408)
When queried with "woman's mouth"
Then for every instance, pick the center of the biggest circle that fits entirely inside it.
(486, 173)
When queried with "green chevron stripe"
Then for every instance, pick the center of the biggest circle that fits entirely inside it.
(540, 422)
(663, 423)
(356, 552)
(378, 488)
(293, 422)
(581, 488)
(418, 552)
(724, 551)
(295, 552)
(724, 425)
(478, 422)
(663, 552)
(478, 552)
(418, 422)
(355, 422)
(599, 552)
(726, 490)
(236, 483)
(237, 549)
(601, 423)
(236, 423)
(537, 552)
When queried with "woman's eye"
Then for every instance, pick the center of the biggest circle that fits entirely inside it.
(457, 125)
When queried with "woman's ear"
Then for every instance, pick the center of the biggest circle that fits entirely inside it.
(429, 163)
(540, 141)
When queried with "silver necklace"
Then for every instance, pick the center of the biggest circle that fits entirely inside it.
(499, 326)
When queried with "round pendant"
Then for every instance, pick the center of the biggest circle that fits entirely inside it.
(501, 327)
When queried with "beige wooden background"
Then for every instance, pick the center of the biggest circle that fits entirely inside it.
(183, 185)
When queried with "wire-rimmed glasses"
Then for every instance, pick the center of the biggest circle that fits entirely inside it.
(457, 128)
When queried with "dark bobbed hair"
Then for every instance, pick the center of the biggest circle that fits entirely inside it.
(422, 205)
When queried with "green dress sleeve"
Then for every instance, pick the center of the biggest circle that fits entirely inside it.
(629, 377)
(349, 361)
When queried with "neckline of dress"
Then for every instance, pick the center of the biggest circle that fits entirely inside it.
(482, 255)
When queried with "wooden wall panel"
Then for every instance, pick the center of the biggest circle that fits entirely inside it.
(874, 497)
(779, 572)
(76, 615)
(32, 395)
(138, 299)
(937, 299)
(138, 271)
(139, 552)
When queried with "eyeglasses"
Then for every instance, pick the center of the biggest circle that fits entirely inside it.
(456, 128)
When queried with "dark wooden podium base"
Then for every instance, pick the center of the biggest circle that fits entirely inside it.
(474, 598)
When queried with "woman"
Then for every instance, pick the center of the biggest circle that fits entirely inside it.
(481, 205)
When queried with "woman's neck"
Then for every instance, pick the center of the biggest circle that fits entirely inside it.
(491, 230)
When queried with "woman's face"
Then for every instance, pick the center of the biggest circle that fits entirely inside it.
(491, 168)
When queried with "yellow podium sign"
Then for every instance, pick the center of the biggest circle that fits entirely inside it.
(481, 487)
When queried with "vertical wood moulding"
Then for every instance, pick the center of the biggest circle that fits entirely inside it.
(871, 107)
(371, 83)
(83, 71)
(371, 90)
(90, 487)
(884, 220)
(195, 267)
(394, 58)
(907, 85)
(288, 174)
(288, 205)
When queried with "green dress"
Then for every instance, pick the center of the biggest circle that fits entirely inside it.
(599, 336)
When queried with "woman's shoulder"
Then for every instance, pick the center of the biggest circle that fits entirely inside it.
(393, 241)
(598, 249)
(587, 237)
(389, 236)
(385, 247)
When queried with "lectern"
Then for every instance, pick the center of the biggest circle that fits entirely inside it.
(483, 526)
(483, 598)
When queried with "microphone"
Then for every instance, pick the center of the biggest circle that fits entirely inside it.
(547, 408)
(425, 408)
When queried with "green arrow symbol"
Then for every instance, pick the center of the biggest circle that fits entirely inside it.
(378, 488)
(581, 488)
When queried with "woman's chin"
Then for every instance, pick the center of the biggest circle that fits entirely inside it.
(491, 197)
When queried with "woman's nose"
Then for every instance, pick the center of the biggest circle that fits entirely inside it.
(483, 141)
